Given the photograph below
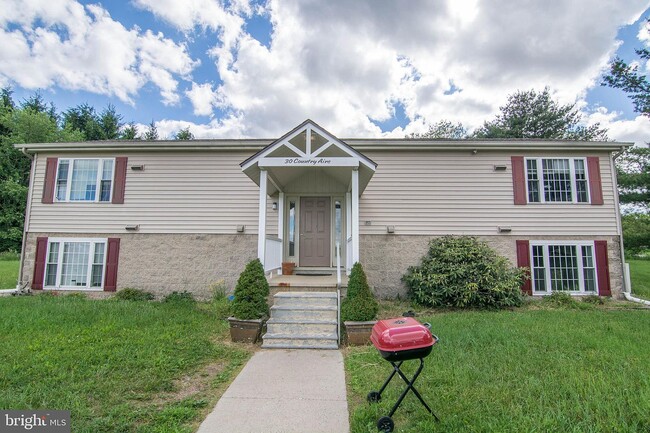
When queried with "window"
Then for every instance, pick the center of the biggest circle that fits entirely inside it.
(559, 180)
(565, 267)
(292, 228)
(75, 263)
(84, 180)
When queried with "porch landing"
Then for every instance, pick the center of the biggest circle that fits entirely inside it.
(306, 282)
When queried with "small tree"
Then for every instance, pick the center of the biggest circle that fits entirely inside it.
(464, 272)
(359, 304)
(151, 133)
(184, 134)
(251, 293)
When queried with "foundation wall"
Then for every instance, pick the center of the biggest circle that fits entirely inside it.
(387, 257)
(163, 263)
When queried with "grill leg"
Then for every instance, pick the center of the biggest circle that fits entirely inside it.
(395, 371)
(409, 386)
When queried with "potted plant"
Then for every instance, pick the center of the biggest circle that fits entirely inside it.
(359, 308)
(250, 306)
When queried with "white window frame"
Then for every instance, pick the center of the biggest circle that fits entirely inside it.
(547, 267)
(59, 265)
(100, 171)
(540, 180)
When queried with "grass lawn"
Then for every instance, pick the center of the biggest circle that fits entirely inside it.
(640, 276)
(8, 274)
(118, 366)
(531, 370)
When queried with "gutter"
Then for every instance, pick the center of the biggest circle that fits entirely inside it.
(627, 283)
(28, 209)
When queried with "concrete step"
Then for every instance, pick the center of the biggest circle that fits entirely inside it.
(299, 341)
(291, 312)
(305, 299)
(301, 327)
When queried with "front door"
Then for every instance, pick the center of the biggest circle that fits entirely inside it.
(314, 231)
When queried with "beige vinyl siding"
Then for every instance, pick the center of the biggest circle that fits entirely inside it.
(437, 193)
(190, 192)
(418, 192)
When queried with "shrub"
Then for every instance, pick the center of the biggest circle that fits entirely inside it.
(183, 296)
(251, 292)
(131, 294)
(220, 303)
(464, 272)
(565, 300)
(593, 299)
(9, 256)
(359, 304)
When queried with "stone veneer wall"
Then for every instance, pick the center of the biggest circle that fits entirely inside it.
(386, 257)
(163, 263)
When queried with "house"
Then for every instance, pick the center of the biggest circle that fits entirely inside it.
(173, 215)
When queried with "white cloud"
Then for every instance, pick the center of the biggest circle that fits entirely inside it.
(345, 63)
(62, 43)
(636, 130)
(232, 127)
(203, 98)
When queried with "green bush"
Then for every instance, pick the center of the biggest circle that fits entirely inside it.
(593, 299)
(183, 296)
(131, 294)
(464, 272)
(566, 301)
(359, 304)
(9, 256)
(220, 303)
(251, 292)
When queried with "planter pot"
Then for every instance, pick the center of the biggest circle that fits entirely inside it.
(287, 268)
(245, 331)
(359, 332)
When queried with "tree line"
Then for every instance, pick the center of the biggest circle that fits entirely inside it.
(526, 115)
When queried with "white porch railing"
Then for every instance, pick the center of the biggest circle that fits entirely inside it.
(272, 254)
(348, 255)
(338, 290)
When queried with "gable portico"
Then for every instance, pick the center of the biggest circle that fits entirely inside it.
(315, 181)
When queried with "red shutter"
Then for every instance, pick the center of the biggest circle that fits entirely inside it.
(50, 180)
(119, 183)
(523, 261)
(112, 258)
(39, 263)
(518, 179)
(595, 184)
(602, 268)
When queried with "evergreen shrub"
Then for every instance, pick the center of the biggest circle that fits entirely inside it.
(464, 272)
(251, 293)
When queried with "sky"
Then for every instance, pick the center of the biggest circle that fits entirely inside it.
(363, 68)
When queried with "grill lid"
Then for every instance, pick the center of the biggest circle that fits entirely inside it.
(399, 334)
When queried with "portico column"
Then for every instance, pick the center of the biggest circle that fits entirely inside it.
(261, 229)
(355, 215)
(281, 226)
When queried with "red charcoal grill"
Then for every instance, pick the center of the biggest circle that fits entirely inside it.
(399, 340)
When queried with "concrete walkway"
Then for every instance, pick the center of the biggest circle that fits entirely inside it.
(284, 391)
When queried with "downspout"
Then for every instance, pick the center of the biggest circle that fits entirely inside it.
(28, 208)
(625, 268)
